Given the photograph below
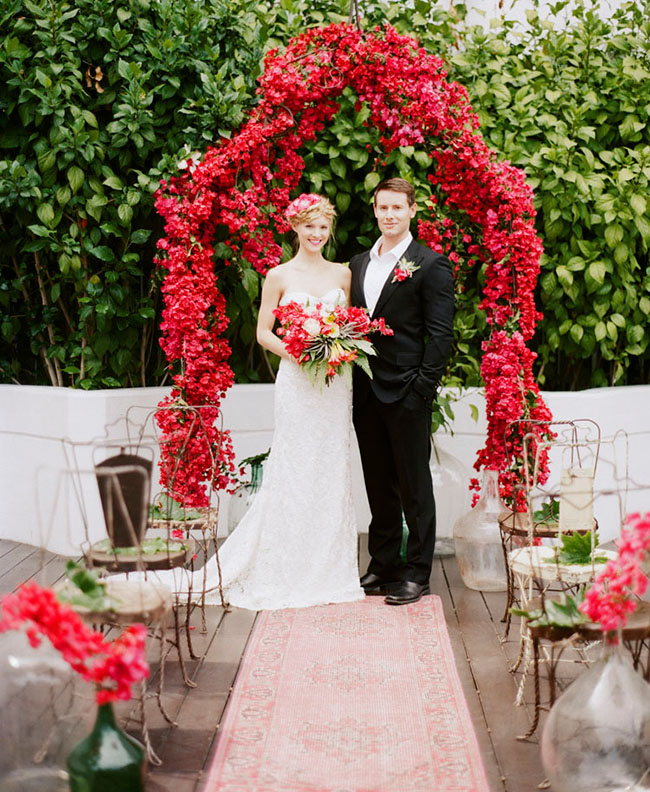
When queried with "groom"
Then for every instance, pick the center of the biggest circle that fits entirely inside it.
(412, 289)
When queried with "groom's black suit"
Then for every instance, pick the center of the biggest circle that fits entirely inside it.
(392, 412)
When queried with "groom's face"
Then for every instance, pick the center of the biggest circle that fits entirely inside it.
(393, 214)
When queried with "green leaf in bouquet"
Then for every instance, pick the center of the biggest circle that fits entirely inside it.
(365, 346)
(362, 362)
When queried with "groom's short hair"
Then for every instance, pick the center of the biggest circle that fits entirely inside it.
(397, 185)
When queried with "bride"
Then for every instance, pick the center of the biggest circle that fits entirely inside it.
(297, 544)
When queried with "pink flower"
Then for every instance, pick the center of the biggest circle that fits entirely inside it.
(325, 341)
(302, 202)
(404, 270)
(615, 592)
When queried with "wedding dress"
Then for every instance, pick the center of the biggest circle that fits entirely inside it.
(297, 544)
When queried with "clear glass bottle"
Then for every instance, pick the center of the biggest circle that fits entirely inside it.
(450, 479)
(41, 715)
(477, 539)
(597, 735)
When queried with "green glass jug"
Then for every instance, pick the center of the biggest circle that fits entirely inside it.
(108, 759)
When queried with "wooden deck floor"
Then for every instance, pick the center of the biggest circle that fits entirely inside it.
(482, 660)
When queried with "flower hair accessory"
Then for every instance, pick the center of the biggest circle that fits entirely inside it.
(302, 202)
(404, 270)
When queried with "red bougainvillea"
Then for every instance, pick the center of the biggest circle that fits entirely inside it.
(113, 666)
(616, 591)
(239, 190)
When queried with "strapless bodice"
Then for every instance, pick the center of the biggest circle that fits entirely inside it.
(329, 299)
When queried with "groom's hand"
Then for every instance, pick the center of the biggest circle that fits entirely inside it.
(415, 401)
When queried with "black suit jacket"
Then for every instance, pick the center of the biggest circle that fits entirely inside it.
(420, 312)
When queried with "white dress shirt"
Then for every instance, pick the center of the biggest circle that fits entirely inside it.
(380, 267)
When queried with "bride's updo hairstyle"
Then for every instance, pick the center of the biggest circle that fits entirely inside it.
(307, 207)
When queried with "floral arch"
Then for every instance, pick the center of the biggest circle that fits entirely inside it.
(243, 184)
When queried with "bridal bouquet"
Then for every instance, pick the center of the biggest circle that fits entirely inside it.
(327, 342)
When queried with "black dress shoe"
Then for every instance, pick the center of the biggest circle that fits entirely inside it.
(374, 584)
(407, 592)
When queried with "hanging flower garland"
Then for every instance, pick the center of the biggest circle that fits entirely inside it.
(240, 189)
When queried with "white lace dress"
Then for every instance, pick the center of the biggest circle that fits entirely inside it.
(297, 544)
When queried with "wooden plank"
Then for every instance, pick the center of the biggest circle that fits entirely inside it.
(7, 545)
(473, 621)
(51, 572)
(171, 782)
(519, 761)
(440, 587)
(33, 565)
(10, 559)
(569, 667)
(199, 711)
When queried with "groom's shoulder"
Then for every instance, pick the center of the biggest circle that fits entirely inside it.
(358, 258)
(428, 256)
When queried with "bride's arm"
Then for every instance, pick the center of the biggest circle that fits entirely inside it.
(271, 294)
(347, 282)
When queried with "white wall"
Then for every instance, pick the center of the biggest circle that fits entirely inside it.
(480, 12)
(42, 506)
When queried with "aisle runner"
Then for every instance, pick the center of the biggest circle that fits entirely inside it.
(356, 697)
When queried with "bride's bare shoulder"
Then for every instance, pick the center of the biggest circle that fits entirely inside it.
(278, 273)
(343, 272)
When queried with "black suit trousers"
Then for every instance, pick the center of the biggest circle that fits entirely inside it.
(395, 446)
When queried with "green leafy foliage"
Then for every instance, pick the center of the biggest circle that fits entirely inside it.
(87, 590)
(578, 548)
(548, 513)
(556, 613)
(165, 507)
(568, 104)
(101, 100)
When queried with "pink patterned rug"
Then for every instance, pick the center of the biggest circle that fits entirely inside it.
(353, 697)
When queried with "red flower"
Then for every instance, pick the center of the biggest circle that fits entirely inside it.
(327, 341)
(114, 666)
(613, 595)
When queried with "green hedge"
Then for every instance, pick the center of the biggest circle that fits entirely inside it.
(81, 151)
(99, 101)
(570, 105)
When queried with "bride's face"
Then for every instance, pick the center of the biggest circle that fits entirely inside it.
(313, 234)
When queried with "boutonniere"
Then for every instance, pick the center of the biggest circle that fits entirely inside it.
(404, 270)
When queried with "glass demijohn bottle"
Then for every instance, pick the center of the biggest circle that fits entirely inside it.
(477, 538)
